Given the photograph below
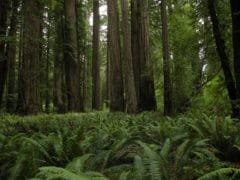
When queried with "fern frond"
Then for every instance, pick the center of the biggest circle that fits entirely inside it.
(124, 176)
(139, 167)
(77, 165)
(95, 175)
(166, 148)
(155, 162)
(219, 173)
(50, 173)
(38, 146)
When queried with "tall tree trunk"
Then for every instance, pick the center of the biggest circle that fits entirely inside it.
(115, 71)
(96, 82)
(86, 60)
(30, 102)
(80, 28)
(108, 74)
(168, 104)
(3, 58)
(47, 72)
(11, 56)
(235, 8)
(70, 56)
(131, 98)
(20, 57)
(42, 52)
(135, 46)
(225, 62)
(59, 70)
(147, 90)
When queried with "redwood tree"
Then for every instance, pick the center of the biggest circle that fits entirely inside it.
(72, 64)
(142, 65)
(135, 46)
(130, 92)
(96, 81)
(3, 58)
(168, 104)
(59, 97)
(115, 67)
(11, 58)
(29, 95)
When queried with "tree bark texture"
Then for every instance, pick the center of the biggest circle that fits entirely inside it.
(168, 98)
(116, 78)
(59, 98)
(130, 93)
(3, 58)
(11, 58)
(135, 46)
(72, 64)
(143, 72)
(96, 81)
(30, 101)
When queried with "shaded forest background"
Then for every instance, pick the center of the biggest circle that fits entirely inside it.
(66, 56)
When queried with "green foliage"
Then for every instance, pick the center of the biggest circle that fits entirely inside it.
(222, 134)
(50, 172)
(222, 173)
(118, 146)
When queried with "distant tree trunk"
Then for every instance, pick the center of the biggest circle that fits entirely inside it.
(47, 71)
(147, 90)
(88, 78)
(197, 73)
(3, 58)
(130, 93)
(20, 56)
(11, 56)
(96, 82)
(70, 56)
(108, 75)
(168, 104)
(84, 84)
(235, 8)
(86, 59)
(80, 28)
(86, 74)
(225, 62)
(42, 62)
(135, 46)
(59, 70)
(115, 71)
(30, 102)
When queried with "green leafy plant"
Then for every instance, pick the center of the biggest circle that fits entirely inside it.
(116, 146)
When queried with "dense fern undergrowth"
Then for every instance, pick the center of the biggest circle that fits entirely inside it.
(117, 146)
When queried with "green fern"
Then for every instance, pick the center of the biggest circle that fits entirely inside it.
(139, 167)
(222, 135)
(231, 173)
(77, 165)
(90, 145)
(51, 172)
(124, 176)
(156, 164)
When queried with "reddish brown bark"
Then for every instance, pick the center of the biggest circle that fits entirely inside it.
(115, 68)
(96, 81)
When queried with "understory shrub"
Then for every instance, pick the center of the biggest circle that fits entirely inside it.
(118, 146)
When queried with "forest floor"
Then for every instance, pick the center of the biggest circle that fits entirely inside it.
(118, 146)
